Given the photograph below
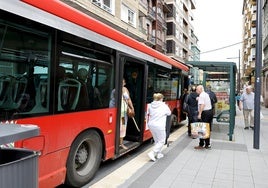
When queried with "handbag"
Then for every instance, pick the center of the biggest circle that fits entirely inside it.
(200, 130)
(130, 111)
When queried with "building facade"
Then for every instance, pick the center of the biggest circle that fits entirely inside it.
(181, 40)
(249, 45)
(249, 42)
(164, 25)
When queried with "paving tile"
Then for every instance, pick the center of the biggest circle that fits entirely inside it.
(243, 184)
(219, 183)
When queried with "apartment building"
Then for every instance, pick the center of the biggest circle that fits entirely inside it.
(153, 22)
(249, 42)
(249, 45)
(181, 40)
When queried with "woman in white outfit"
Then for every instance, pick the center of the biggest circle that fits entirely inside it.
(157, 115)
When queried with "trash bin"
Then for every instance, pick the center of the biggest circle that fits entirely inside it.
(18, 168)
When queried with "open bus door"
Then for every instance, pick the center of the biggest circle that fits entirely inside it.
(134, 72)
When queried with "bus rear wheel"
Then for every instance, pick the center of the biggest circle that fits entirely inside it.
(84, 158)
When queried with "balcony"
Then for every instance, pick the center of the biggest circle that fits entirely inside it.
(150, 40)
(253, 20)
(142, 30)
(163, 22)
(254, 9)
(253, 42)
(164, 47)
(151, 14)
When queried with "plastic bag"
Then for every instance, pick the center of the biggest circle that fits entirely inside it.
(200, 130)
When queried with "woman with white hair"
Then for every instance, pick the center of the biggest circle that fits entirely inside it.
(157, 115)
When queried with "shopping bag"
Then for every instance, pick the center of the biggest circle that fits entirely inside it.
(200, 130)
(261, 115)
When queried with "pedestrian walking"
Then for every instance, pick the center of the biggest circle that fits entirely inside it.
(247, 104)
(205, 114)
(192, 108)
(157, 116)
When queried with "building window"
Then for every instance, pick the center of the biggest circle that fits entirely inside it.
(128, 15)
(107, 5)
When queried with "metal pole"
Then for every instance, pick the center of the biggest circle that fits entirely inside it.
(258, 65)
(232, 100)
(238, 79)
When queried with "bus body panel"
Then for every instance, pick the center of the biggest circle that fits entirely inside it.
(62, 10)
(174, 105)
(52, 168)
(63, 128)
(59, 132)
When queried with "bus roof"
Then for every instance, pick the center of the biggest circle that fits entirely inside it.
(66, 12)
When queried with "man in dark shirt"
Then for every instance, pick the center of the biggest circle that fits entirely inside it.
(192, 108)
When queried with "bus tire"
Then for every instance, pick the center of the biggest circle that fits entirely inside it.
(84, 159)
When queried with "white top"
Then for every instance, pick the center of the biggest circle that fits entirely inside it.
(248, 100)
(158, 112)
(204, 99)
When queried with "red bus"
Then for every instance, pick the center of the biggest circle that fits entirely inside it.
(58, 68)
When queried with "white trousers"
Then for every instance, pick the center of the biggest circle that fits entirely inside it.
(159, 137)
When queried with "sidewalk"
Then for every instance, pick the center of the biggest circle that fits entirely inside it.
(228, 164)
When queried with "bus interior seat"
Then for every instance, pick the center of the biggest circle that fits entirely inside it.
(12, 91)
(18, 92)
(83, 101)
(68, 94)
(41, 97)
(97, 98)
(5, 86)
(105, 93)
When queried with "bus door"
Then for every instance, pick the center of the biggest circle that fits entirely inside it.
(134, 72)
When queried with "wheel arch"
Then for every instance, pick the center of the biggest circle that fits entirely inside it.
(70, 179)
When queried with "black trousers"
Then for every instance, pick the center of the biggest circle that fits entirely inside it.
(207, 117)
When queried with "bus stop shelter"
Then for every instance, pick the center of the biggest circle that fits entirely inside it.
(222, 77)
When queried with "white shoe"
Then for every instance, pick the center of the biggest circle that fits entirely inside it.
(151, 156)
(160, 155)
